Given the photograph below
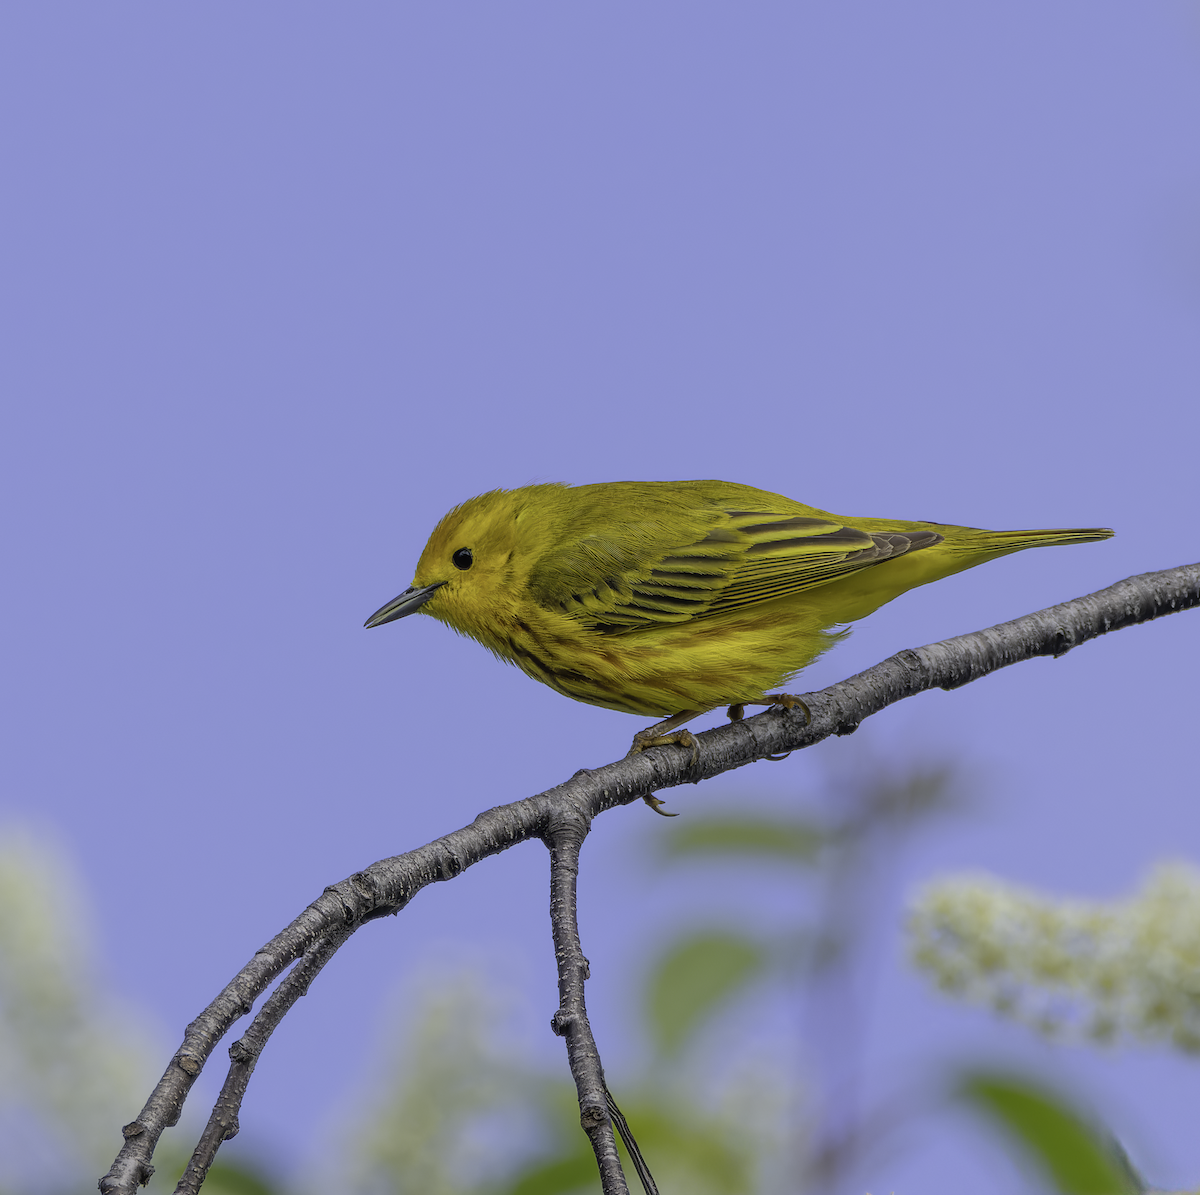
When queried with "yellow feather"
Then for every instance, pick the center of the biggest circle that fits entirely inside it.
(659, 598)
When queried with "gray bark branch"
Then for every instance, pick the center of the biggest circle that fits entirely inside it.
(387, 886)
(244, 1053)
(564, 837)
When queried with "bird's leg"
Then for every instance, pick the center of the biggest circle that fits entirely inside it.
(736, 712)
(660, 733)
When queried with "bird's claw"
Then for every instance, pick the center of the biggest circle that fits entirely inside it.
(789, 702)
(657, 805)
(683, 738)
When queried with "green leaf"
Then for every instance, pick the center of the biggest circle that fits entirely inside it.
(227, 1178)
(698, 974)
(686, 1149)
(786, 840)
(224, 1178)
(574, 1173)
(1078, 1158)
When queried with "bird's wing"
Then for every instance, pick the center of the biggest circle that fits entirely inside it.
(743, 558)
(788, 554)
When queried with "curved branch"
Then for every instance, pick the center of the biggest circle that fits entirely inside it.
(244, 1054)
(387, 886)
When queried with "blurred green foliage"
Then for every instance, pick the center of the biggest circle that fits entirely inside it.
(690, 1151)
(1076, 1157)
(696, 976)
(457, 1113)
(454, 1106)
(74, 1064)
(225, 1177)
(71, 1059)
(790, 840)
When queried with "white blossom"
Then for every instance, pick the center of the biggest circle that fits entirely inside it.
(1069, 967)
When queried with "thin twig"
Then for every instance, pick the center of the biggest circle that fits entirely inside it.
(387, 886)
(631, 1146)
(244, 1053)
(564, 836)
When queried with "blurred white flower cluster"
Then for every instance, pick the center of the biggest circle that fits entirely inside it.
(1069, 967)
(74, 1066)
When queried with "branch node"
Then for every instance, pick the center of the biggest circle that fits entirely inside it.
(242, 1052)
(134, 1128)
(365, 884)
(143, 1172)
(957, 682)
(592, 1116)
(382, 910)
(560, 1023)
(189, 1063)
(349, 912)
(1062, 642)
(451, 866)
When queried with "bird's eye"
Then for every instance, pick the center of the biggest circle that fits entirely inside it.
(462, 558)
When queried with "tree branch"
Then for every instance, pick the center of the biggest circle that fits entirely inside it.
(223, 1121)
(387, 886)
(564, 836)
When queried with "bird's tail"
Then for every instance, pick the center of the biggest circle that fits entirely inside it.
(860, 593)
(1014, 541)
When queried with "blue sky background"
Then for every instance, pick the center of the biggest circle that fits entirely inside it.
(281, 283)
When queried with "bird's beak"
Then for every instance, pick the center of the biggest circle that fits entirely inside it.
(409, 602)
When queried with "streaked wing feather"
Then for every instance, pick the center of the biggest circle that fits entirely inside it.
(777, 568)
(747, 558)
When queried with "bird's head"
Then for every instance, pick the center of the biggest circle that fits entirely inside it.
(472, 569)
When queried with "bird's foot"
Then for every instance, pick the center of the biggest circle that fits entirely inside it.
(652, 738)
(788, 702)
(664, 732)
(737, 711)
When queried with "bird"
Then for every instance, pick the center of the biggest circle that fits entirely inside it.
(668, 599)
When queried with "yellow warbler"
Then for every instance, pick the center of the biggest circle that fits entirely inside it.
(669, 598)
